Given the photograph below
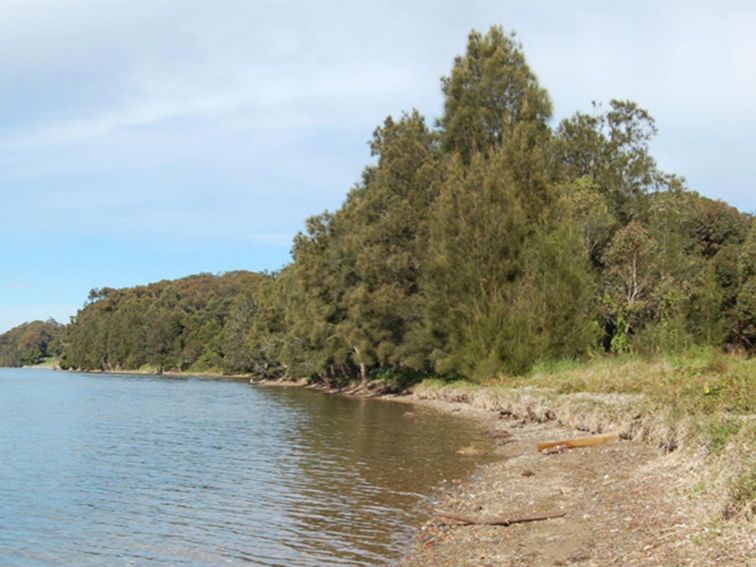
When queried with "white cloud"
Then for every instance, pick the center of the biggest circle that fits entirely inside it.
(244, 91)
(175, 136)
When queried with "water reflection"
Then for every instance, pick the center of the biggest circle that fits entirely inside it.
(121, 469)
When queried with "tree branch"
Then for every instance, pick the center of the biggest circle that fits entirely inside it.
(469, 520)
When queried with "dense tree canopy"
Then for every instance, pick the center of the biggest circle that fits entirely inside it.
(30, 343)
(474, 247)
(190, 323)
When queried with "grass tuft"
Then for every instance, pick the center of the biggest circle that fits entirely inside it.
(742, 495)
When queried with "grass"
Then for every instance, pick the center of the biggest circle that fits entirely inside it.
(742, 494)
(701, 400)
(717, 431)
(700, 382)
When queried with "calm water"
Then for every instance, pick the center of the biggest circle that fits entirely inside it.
(102, 470)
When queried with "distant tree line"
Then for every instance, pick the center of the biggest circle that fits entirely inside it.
(198, 322)
(31, 343)
(474, 246)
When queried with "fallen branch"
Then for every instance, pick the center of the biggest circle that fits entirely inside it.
(579, 442)
(469, 520)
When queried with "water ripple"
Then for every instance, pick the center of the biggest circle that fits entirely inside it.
(133, 470)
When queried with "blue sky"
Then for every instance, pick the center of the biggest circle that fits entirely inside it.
(145, 140)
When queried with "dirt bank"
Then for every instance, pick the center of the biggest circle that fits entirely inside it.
(625, 503)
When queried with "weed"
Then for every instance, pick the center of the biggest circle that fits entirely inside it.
(742, 494)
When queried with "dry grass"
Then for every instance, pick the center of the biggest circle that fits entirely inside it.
(699, 382)
(702, 402)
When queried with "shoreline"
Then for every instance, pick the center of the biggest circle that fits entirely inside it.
(152, 373)
(649, 475)
(635, 501)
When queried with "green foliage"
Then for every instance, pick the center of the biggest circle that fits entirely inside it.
(477, 238)
(742, 493)
(169, 325)
(717, 431)
(488, 93)
(482, 247)
(588, 211)
(745, 303)
(611, 149)
(30, 343)
(398, 379)
(504, 288)
(629, 275)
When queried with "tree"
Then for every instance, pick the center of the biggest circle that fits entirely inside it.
(611, 149)
(176, 325)
(586, 209)
(474, 249)
(387, 235)
(478, 231)
(628, 280)
(30, 343)
(745, 307)
(489, 92)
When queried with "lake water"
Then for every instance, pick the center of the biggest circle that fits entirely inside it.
(117, 469)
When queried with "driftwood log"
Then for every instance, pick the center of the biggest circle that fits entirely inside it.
(579, 442)
(461, 519)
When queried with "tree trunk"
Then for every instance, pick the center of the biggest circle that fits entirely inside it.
(363, 375)
(363, 368)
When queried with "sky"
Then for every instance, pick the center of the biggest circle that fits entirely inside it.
(149, 139)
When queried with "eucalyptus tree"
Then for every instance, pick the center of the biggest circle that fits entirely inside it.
(30, 343)
(611, 148)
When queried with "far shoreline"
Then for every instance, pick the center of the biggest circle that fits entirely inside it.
(152, 373)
